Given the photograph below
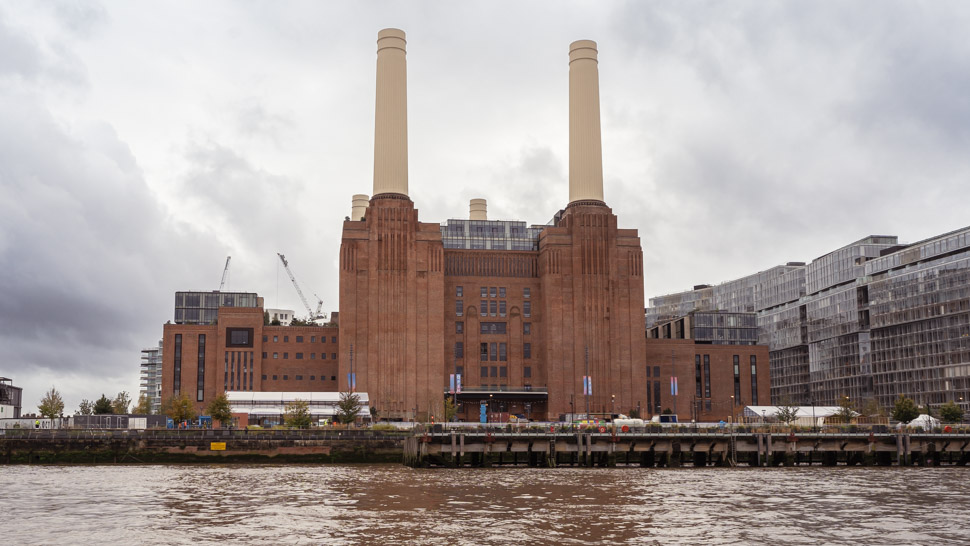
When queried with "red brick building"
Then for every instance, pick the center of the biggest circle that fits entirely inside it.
(530, 318)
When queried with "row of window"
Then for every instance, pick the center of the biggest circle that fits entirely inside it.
(492, 292)
(493, 351)
(493, 328)
(492, 308)
(299, 339)
(503, 371)
(299, 356)
(286, 377)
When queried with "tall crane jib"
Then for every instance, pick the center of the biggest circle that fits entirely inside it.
(225, 274)
(312, 315)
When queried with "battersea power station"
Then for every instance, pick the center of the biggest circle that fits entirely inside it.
(544, 321)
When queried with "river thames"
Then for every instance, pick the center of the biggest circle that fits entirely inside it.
(367, 504)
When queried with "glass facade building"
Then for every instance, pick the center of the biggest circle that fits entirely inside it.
(713, 328)
(203, 307)
(871, 320)
(151, 377)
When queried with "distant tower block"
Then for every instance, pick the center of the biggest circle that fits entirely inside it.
(359, 205)
(391, 124)
(585, 146)
(477, 209)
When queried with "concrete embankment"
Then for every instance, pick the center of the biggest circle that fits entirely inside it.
(198, 446)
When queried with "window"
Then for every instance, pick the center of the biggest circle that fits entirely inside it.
(286, 339)
(526, 292)
(299, 356)
(313, 356)
(484, 291)
(492, 327)
(274, 378)
(201, 383)
(299, 378)
(333, 339)
(313, 339)
(264, 355)
(286, 356)
(299, 339)
(501, 308)
(264, 377)
(483, 353)
(312, 377)
(459, 308)
(323, 378)
(276, 355)
(333, 356)
(737, 380)
(458, 291)
(484, 371)
(656, 371)
(333, 378)
(459, 349)
(503, 371)
(276, 338)
(754, 380)
(494, 371)
(459, 327)
(265, 339)
(527, 309)
(502, 352)
(707, 376)
(493, 308)
(323, 356)
(493, 351)
(285, 377)
(698, 380)
(501, 291)
(526, 328)
(460, 370)
(493, 292)
(527, 350)
(527, 371)
(483, 307)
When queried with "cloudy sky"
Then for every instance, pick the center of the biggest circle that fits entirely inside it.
(141, 143)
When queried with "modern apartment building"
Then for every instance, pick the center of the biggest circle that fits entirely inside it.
(151, 377)
(874, 319)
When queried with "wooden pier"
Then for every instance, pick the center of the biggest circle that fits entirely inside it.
(462, 448)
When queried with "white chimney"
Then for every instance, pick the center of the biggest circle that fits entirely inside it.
(585, 146)
(477, 209)
(358, 206)
(391, 120)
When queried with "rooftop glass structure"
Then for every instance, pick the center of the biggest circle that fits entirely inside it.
(203, 307)
(490, 235)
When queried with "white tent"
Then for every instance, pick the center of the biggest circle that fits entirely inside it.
(924, 422)
(807, 416)
(322, 405)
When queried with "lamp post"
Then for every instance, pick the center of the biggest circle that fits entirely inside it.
(488, 418)
(612, 406)
(764, 417)
(732, 410)
(814, 421)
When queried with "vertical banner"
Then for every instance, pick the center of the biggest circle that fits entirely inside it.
(673, 385)
(351, 382)
(458, 383)
(451, 384)
(588, 385)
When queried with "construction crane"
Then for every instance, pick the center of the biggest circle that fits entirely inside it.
(225, 273)
(313, 316)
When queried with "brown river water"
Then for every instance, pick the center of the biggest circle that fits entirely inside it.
(391, 504)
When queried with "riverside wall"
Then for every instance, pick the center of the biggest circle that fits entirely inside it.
(199, 446)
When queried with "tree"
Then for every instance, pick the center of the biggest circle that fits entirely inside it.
(220, 409)
(298, 414)
(265, 318)
(143, 407)
(119, 406)
(179, 408)
(787, 414)
(450, 410)
(904, 410)
(373, 413)
(951, 413)
(846, 411)
(51, 405)
(275, 322)
(86, 407)
(348, 407)
(872, 409)
(102, 406)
